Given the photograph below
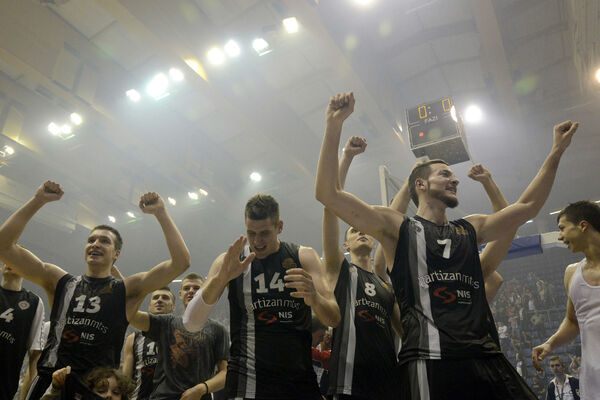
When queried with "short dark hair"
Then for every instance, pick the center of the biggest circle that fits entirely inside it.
(167, 289)
(100, 374)
(421, 171)
(262, 206)
(119, 242)
(555, 358)
(583, 210)
(316, 325)
(192, 276)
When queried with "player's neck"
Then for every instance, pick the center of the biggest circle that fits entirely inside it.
(362, 260)
(432, 211)
(11, 284)
(592, 250)
(98, 271)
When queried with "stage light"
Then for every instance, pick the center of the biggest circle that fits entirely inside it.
(66, 129)
(176, 74)
(232, 48)
(473, 114)
(133, 95)
(157, 88)
(203, 192)
(255, 177)
(453, 113)
(193, 195)
(76, 119)
(112, 219)
(172, 201)
(290, 24)
(53, 128)
(130, 214)
(598, 75)
(261, 46)
(9, 150)
(215, 56)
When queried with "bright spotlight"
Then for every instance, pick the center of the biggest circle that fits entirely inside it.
(473, 114)
(133, 95)
(172, 201)
(130, 214)
(215, 56)
(7, 151)
(157, 88)
(261, 46)
(193, 195)
(453, 113)
(203, 192)
(112, 219)
(76, 119)
(176, 74)
(363, 2)
(598, 75)
(66, 129)
(255, 177)
(232, 48)
(53, 128)
(290, 24)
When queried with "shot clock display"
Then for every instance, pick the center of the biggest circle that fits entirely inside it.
(434, 131)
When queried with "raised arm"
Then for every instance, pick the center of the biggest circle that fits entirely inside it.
(128, 359)
(332, 254)
(310, 286)
(492, 227)
(24, 262)
(139, 285)
(225, 268)
(380, 222)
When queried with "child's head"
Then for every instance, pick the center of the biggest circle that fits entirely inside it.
(109, 383)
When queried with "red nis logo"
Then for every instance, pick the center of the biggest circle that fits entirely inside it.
(446, 296)
(70, 336)
(267, 317)
(366, 316)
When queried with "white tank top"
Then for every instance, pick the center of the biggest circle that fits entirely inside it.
(586, 299)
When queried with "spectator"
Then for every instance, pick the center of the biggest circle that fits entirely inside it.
(563, 386)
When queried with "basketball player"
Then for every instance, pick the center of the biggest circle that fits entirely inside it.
(579, 229)
(140, 353)
(186, 360)
(363, 358)
(450, 348)
(21, 320)
(270, 308)
(89, 312)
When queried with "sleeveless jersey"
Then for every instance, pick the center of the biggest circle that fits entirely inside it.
(18, 314)
(363, 356)
(439, 286)
(270, 333)
(87, 325)
(586, 301)
(144, 363)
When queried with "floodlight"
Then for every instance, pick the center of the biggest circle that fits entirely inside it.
(176, 74)
(473, 114)
(172, 201)
(157, 88)
(215, 56)
(232, 48)
(193, 195)
(53, 128)
(256, 177)
(133, 95)
(261, 46)
(130, 214)
(112, 219)
(290, 24)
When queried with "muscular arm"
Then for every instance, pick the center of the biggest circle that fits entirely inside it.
(20, 259)
(128, 356)
(31, 373)
(139, 285)
(492, 285)
(567, 331)
(217, 382)
(492, 227)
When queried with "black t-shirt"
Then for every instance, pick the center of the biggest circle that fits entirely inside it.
(270, 333)
(87, 327)
(439, 286)
(18, 313)
(363, 355)
(185, 359)
(145, 358)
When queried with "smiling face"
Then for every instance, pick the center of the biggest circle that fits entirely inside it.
(100, 248)
(441, 185)
(570, 234)
(262, 235)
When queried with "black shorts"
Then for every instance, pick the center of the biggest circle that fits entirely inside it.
(479, 378)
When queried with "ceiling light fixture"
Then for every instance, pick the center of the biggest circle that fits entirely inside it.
(172, 201)
(598, 75)
(232, 48)
(255, 177)
(473, 114)
(157, 88)
(53, 128)
(193, 195)
(133, 95)
(290, 24)
(215, 56)
(261, 46)
(176, 75)
(112, 219)
(76, 119)
(130, 214)
(203, 192)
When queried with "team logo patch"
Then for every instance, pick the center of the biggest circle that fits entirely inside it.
(24, 305)
(289, 263)
(461, 231)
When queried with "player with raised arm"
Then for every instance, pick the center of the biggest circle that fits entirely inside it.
(271, 293)
(450, 348)
(363, 358)
(90, 312)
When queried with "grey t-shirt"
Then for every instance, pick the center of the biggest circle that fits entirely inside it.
(185, 359)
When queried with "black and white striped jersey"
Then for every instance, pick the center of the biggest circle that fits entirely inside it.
(270, 355)
(21, 319)
(439, 285)
(145, 358)
(363, 355)
(87, 325)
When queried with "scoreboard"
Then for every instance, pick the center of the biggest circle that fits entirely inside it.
(434, 131)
